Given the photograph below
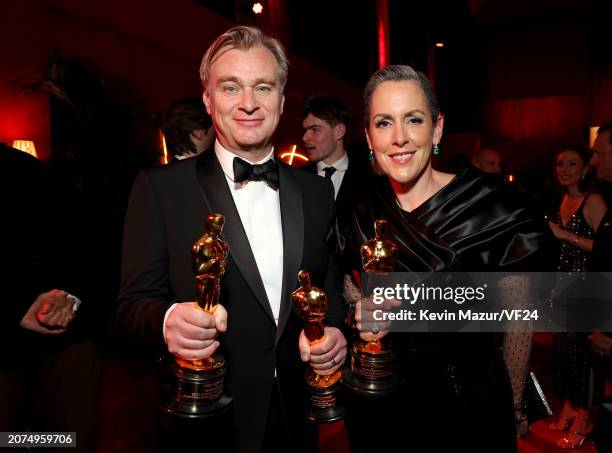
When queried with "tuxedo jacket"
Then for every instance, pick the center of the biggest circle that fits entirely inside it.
(353, 179)
(166, 215)
(356, 182)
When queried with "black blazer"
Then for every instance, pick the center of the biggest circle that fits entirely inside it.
(165, 216)
(356, 182)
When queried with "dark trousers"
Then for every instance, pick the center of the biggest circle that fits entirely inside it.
(300, 437)
(52, 391)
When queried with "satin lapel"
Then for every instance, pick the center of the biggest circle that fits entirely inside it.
(292, 215)
(218, 199)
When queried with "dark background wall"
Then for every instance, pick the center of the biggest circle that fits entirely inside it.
(520, 75)
(147, 52)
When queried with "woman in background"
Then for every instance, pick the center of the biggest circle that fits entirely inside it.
(574, 225)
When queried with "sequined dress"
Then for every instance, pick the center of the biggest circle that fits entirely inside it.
(571, 349)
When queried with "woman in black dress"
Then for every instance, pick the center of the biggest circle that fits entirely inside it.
(458, 392)
(574, 225)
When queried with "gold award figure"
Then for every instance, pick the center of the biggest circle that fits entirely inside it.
(198, 396)
(372, 362)
(377, 257)
(208, 259)
(311, 304)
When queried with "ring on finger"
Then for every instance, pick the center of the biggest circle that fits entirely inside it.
(333, 361)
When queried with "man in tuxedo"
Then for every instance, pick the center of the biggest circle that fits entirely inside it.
(276, 222)
(325, 121)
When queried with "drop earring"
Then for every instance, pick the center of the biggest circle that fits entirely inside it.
(436, 150)
(371, 155)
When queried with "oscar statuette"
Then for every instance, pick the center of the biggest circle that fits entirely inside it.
(324, 403)
(372, 362)
(198, 401)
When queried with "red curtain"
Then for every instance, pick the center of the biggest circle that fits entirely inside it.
(549, 119)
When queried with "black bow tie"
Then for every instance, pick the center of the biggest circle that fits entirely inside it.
(268, 172)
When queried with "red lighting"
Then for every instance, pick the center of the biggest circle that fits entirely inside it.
(382, 13)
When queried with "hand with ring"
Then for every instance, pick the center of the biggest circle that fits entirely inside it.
(326, 356)
(367, 314)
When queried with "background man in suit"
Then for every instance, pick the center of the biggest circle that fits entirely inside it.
(601, 161)
(601, 342)
(487, 160)
(325, 122)
(276, 223)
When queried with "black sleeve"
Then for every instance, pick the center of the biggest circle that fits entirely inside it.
(144, 294)
(602, 245)
(333, 279)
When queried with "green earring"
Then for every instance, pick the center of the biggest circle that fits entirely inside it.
(371, 155)
(436, 150)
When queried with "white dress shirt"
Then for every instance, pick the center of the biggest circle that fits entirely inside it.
(341, 165)
(259, 208)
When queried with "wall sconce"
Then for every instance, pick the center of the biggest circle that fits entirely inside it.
(164, 157)
(257, 8)
(27, 146)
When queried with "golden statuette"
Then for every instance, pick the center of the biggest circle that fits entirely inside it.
(372, 362)
(311, 304)
(197, 400)
(208, 259)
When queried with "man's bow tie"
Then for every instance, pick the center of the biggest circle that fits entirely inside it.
(268, 172)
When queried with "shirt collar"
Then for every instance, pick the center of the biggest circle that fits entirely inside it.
(226, 159)
(340, 165)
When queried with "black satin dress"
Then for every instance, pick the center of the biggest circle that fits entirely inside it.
(457, 393)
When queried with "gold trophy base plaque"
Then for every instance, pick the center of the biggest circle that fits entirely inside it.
(195, 406)
(199, 390)
(371, 373)
(325, 403)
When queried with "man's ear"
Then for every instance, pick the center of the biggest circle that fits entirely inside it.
(282, 104)
(339, 131)
(206, 99)
(199, 134)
